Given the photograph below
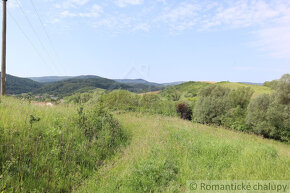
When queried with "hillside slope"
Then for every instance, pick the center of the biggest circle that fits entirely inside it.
(165, 152)
(258, 89)
(71, 86)
(17, 85)
(87, 83)
(138, 81)
(190, 89)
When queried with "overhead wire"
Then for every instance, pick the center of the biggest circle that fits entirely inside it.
(44, 29)
(36, 34)
(27, 38)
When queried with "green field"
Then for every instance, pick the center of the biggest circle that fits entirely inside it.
(124, 142)
(165, 152)
(258, 89)
(189, 90)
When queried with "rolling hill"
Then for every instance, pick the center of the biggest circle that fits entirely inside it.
(258, 89)
(46, 79)
(190, 89)
(17, 85)
(86, 83)
(138, 81)
(67, 85)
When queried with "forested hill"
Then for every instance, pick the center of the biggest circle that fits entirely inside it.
(86, 83)
(17, 85)
(46, 79)
(64, 86)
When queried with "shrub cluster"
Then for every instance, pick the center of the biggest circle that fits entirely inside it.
(128, 101)
(266, 115)
(269, 115)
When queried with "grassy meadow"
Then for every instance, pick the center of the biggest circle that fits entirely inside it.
(119, 141)
(164, 152)
(258, 89)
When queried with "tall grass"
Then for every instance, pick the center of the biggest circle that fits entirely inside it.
(165, 152)
(47, 149)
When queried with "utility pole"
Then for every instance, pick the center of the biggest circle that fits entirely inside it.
(3, 67)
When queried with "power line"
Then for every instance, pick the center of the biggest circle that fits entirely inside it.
(34, 31)
(43, 27)
(27, 38)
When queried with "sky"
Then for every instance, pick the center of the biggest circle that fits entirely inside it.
(157, 40)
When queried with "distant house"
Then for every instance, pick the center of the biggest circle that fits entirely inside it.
(54, 98)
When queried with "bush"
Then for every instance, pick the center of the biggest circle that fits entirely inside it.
(240, 97)
(184, 110)
(283, 90)
(257, 115)
(149, 101)
(235, 119)
(211, 105)
(278, 116)
(120, 100)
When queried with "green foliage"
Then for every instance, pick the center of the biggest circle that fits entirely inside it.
(81, 98)
(241, 97)
(53, 149)
(258, 89)
(184, 90)
(219, 105)
(211, 105)
(270, 115)
(270, 84)
(278, 116)
(235, 119)
(257, 114)
(32, 120)
(120, 100)
(283, 90)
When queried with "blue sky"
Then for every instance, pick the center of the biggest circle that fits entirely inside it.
(157, 40)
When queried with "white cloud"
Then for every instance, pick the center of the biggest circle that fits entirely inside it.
(274, 41)
(266, 21)
(124, 3)
(71, 3)
(142, 27)
(94, 11)
(67, 14)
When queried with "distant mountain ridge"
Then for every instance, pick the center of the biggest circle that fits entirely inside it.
(253, 83)
(49, 79)
(46, 79)
(138, 81)
(67, 85)
(64, 86)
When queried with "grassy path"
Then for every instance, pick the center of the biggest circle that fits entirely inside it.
(164, 152)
